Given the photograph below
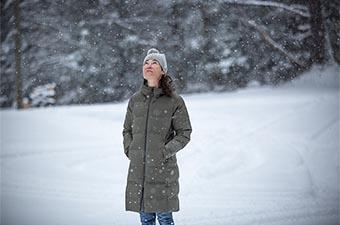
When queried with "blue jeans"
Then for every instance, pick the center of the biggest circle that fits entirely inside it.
(164, 218)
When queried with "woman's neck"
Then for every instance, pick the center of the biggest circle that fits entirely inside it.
(153, 84)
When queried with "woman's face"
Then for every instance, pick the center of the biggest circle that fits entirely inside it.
(152, 70)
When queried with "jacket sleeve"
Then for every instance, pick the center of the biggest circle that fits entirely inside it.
(182, 127)
(127, 129)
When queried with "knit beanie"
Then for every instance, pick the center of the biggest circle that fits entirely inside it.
(154, 54)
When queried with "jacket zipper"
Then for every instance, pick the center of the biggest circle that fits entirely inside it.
(144, 161)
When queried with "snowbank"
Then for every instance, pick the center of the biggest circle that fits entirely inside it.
(318, 77)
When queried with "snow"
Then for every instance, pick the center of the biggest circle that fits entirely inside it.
(260, 155)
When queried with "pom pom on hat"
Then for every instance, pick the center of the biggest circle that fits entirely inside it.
(152, 50)
(154, 54)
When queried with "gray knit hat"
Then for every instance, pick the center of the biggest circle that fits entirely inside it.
(154, 54)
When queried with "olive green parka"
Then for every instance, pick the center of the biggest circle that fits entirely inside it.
(156, 127)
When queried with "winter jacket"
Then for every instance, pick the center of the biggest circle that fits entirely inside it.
(156, 127)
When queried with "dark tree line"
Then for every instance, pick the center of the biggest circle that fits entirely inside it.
(93, 50)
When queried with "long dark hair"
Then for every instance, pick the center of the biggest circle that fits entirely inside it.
(166, 84)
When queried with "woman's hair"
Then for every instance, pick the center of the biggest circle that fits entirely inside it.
(166, 84)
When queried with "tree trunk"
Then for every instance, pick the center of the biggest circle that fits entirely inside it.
(318, 32)
(18, 81)
(177, 35)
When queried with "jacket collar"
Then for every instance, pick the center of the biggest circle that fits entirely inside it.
(146, 90)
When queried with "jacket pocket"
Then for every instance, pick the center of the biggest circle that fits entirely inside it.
(127, 153)
(163, 154)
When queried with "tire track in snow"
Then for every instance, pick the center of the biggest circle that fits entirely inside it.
(78, 164)
(332, 122)
(246, 161)
(293, 216)
(253, 132)
(289, 145)
(267, 124)
(61, 150)
(255, 160)
(94, 193)
(257, 211)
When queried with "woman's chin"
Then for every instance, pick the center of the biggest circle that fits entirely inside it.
(149, 76)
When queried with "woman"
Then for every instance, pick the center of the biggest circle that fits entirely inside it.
(156, 127)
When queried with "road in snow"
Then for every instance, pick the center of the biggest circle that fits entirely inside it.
(257, 156)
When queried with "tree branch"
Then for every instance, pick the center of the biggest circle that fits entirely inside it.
(298, 9)
(274, 44)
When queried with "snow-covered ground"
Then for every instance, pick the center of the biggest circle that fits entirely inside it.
(257, 156)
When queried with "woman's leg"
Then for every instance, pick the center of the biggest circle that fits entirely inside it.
(165, 218)
(147, 218)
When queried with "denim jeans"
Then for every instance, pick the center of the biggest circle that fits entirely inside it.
(164, 218)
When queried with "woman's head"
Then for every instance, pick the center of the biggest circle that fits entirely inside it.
(154, 66)
(160, 58)
(155, 71)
